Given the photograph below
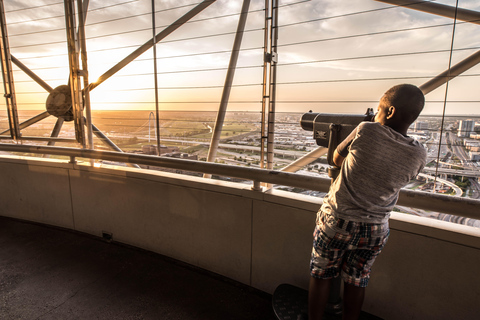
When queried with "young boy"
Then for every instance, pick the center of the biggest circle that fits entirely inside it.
(377, 159)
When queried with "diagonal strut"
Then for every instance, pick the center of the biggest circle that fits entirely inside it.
(32, 75)
(438, 9)
(167, 31)
(30, 121)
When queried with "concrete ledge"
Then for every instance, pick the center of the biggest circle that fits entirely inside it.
(37, 191)
(426, 272)
(437, 229)
(428, 269)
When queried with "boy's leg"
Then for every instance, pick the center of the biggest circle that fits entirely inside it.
(329, 243)
(318, 293)
(352, 301)
(357, 267)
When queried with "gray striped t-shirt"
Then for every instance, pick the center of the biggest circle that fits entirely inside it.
(379, 161)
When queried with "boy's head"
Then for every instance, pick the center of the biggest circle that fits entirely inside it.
(400, 106)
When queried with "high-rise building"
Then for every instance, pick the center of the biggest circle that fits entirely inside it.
(421, 126)
(465, 127)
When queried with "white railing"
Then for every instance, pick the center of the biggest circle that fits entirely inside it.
(464, 207)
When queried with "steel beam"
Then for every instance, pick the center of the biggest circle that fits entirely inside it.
(105, 140)
(147, 45)
(84, 9)
(222, 110)
(451, 73)
(82, 14)
(269, 83)
(44, 139)
(7, 74)
(56, 131)
(438, 9)
(31, 74)
(30, 121)
(449, 12)
(267, 48)
(155, 75)
(74, 77)
(305, 160)
(273, 87)
(465, 207)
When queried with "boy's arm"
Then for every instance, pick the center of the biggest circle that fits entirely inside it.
(342, 149)
(337, 158)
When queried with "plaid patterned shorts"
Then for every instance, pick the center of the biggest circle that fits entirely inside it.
(348, 246)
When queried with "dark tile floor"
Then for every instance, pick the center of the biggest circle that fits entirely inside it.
(50, 273)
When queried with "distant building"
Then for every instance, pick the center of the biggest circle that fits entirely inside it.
(180, 155)
(465, 128)
(474, 156)
(420, 126)
(152, 149)
(472, 145)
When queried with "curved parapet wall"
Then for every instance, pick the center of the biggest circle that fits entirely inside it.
(428, 269)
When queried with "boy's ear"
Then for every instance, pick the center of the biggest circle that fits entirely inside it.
(391, 112)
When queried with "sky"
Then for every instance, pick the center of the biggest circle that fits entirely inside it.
(333, 56)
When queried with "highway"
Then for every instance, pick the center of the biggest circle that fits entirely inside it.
(458, 172)
(457, 191)
(449, 148)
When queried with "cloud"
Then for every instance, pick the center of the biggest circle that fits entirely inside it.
(320, 40)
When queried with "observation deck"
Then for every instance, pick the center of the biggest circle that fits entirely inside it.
(257, 238)
(51, 273)
(91, 229)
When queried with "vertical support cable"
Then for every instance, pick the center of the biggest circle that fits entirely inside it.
(157, 112)
(7, 73)
(445, 100)
(212, 152)
(273, 86)
(74, 81)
